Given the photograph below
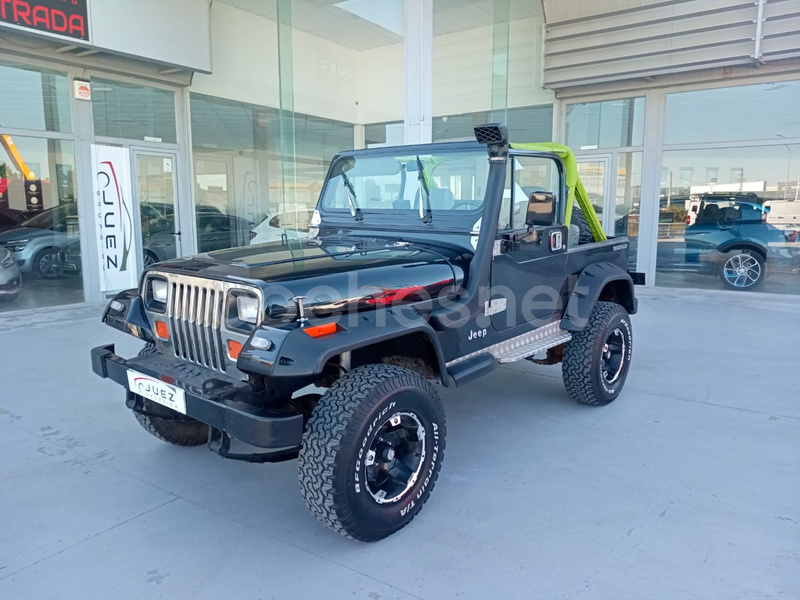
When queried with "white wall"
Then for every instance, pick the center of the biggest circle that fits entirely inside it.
(172, 32)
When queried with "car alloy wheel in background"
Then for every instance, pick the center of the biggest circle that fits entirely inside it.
(743, 271)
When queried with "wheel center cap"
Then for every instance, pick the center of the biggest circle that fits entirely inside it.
(389, 454)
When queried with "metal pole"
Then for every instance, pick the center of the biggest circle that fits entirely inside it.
(759, 26)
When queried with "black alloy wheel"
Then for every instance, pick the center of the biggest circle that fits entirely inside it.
(395, 457)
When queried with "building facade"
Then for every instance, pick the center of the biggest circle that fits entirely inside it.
(134, 133)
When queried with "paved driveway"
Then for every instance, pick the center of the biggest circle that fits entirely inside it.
(686, 487)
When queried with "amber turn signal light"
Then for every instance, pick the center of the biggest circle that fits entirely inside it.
(320, 330)
(234, 349)
(162, 330)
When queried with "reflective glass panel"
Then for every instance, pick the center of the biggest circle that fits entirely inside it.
(34, 99)
(528, 124)
(628, 200)
(607, 124)
(740, 230)
(40, 253)
(133, 112)
(239, 187)
(752, 112)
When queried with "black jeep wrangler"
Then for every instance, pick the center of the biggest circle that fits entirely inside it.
(424, 264)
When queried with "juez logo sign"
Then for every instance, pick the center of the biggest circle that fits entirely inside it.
(116, 239)
(68, 18)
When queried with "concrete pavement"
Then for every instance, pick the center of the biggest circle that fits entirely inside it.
(686, 487)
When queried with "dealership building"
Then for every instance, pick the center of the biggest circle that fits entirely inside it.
(135, 132)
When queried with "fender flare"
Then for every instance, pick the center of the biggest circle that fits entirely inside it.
(587, 290)
(298, 355)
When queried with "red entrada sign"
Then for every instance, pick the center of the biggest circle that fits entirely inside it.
(69, 18)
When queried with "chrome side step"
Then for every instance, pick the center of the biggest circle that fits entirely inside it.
(524, 345)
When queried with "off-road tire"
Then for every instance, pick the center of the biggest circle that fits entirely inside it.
(582, 368)
(344, 426)
(174, 428)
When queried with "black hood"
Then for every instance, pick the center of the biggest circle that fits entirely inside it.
(336, 276)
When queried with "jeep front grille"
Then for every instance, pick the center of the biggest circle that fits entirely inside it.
(196, 313)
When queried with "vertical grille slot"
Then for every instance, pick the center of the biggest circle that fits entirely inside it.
(195, 312)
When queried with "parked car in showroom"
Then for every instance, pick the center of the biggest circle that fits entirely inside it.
(293, 224)
(36, 242)
(731, 239)
(10, 278)
(215, 231)
(11, 219)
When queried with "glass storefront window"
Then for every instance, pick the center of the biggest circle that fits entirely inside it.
(133, 112)
(608, 124)
(628, 200)
(486, 59)
(753, 112)
(239, 188)
(39, 233)
(740, 229)
(527, 124)
(35, 99)
(384, 134)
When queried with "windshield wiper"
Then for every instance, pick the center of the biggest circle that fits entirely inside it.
(427, 214)
(355, 212)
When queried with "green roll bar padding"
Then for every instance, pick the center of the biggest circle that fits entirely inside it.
(575, 189)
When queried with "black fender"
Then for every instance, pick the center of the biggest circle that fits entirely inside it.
(598, 281)
(291, 353)
(131, 318)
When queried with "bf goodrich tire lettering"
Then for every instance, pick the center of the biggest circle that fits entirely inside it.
(582, 369)
(332, 468)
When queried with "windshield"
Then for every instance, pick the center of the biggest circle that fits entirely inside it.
(48, 219)
(414, 186)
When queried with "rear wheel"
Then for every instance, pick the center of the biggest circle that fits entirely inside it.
(167, 425)
(149, 259)
(597, 359)
(372, 451)
(743, 270)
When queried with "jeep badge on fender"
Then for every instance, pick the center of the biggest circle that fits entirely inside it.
(424, 265)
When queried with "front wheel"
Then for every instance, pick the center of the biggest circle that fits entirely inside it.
(743, 270)
(168, 425)
(45, 263)
(372, 451)
(597, 359)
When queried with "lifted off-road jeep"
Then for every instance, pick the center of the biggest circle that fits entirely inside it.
(423, 264)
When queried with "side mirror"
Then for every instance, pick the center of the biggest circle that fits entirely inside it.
(541, 209)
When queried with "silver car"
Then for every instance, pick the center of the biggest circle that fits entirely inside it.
(37, 241)
(10, 279)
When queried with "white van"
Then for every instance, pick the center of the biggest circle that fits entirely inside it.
(783, 212)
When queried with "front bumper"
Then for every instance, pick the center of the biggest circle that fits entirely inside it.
(10, 282)
(212, 398)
